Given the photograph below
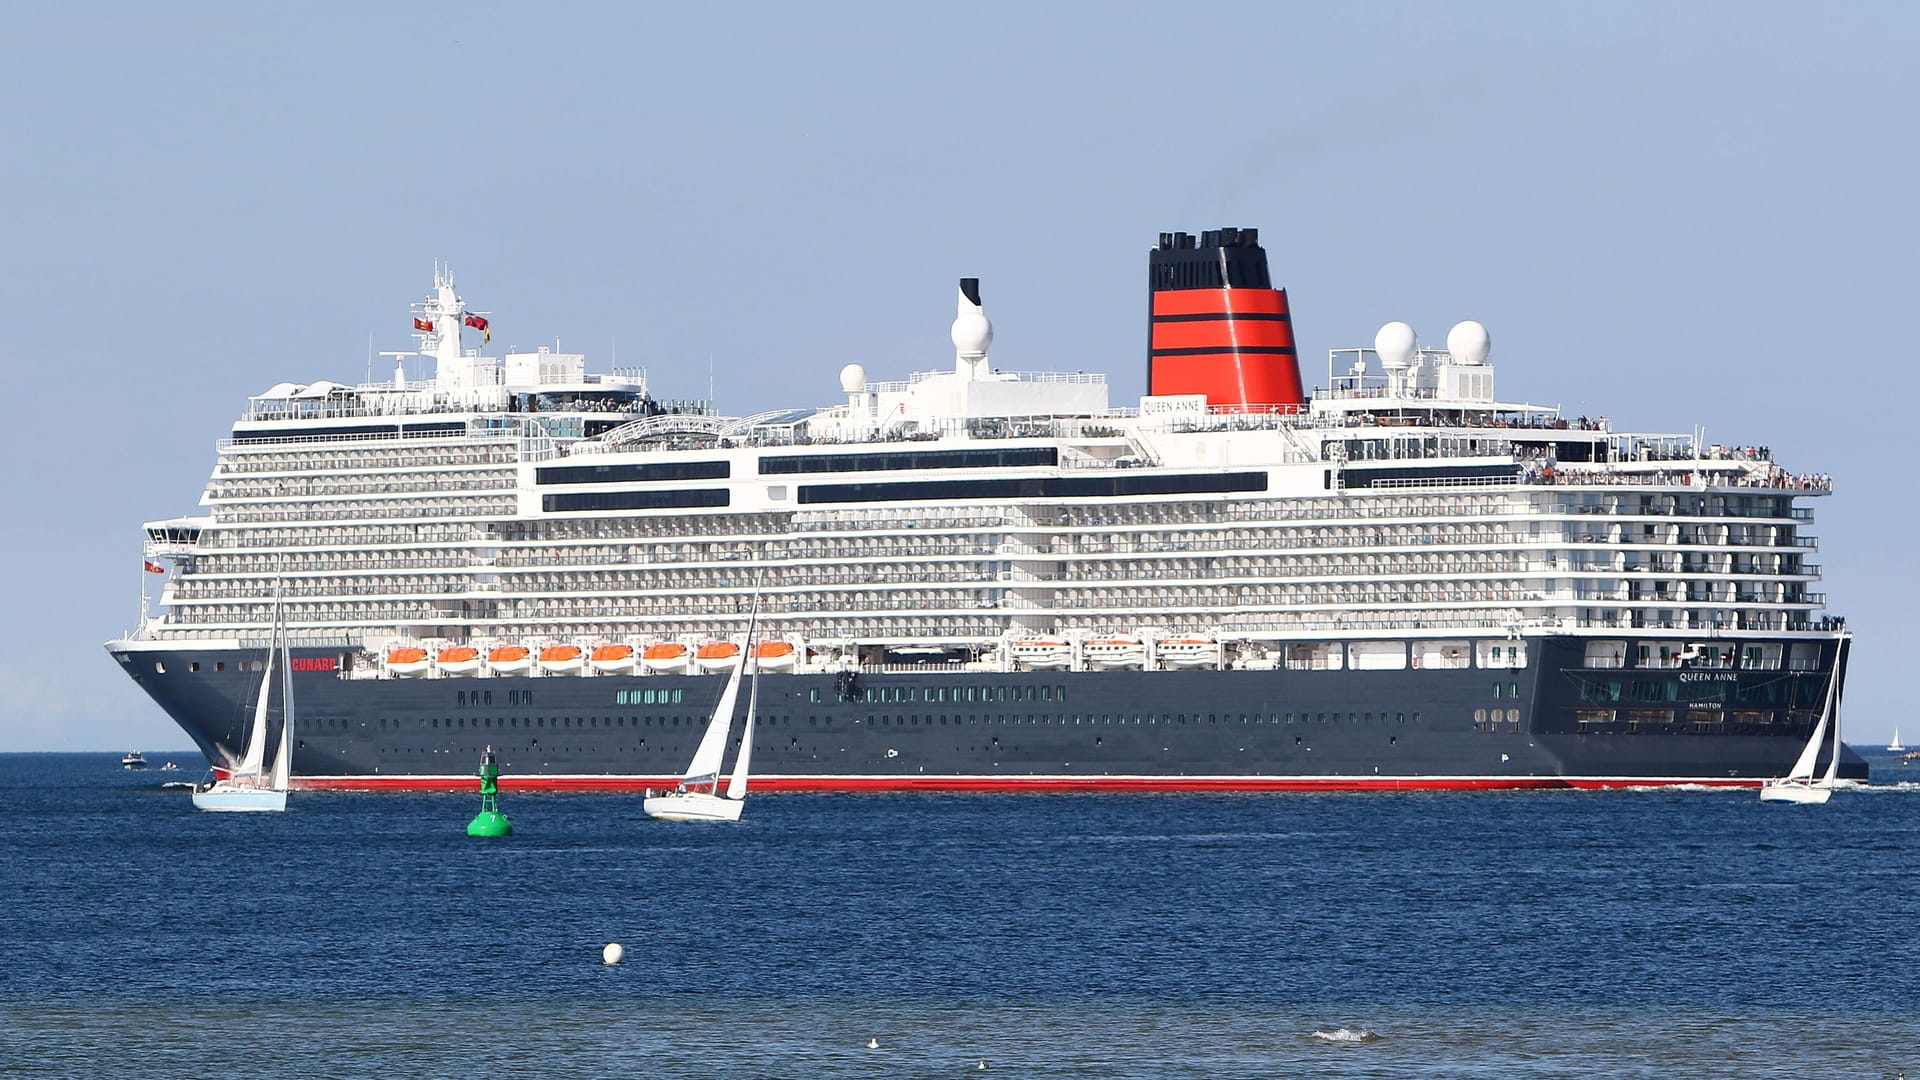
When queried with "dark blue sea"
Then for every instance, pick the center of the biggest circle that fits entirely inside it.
(1516, 934)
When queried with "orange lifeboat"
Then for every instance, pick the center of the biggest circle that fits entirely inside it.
(775, 656)
(666, 657)
(509, 660)
(612, 659)
(458, 660)
(717, 656)
(560, 659)
(407, 660)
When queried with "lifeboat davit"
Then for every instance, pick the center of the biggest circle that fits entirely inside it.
(458, 660)
(1192, 651)
(717, 656)
(509, 660)
(1045, 653)
(775, 656)
(1116, 652)
(561, 659)
(665, 658)
(612, 659)
(407, 661)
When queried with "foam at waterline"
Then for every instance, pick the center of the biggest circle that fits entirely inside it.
(1347, 1035)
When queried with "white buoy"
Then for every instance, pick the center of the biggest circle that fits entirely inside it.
(612, 953)
(873, 1044)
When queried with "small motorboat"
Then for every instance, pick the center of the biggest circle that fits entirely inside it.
(1042, 654)
(133, 759)
(1116, 652)
(1189, 652)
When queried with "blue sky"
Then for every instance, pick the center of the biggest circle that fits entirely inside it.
(1671, 215)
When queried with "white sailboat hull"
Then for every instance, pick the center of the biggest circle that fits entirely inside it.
(1788, 791)
(693, 806)
(225, 797)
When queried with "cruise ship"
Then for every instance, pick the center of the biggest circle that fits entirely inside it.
(977, 579)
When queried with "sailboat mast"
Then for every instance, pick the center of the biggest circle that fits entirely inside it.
(1833, 706)
(283, 758)
(737, 783)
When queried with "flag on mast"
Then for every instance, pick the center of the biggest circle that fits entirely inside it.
(480, 324)
(423, 325)
(154, 567)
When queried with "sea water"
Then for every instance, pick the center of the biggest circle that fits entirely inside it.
(1646, 933)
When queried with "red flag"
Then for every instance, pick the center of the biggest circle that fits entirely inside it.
(154, 567)
(480, 324)
(422, 324)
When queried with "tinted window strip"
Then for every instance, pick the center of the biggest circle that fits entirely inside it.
(1039, 487)
(634, 500)
(627, 474)
(1028, 456)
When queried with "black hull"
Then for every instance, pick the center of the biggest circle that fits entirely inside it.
(1473, 727)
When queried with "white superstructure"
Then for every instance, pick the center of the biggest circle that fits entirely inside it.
(978, 517)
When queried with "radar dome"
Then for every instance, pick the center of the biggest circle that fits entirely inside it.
(972, 333)
(1468, 343)
(853, 379)
(1395, 344)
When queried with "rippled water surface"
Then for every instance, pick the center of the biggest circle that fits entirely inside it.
(1519, 934)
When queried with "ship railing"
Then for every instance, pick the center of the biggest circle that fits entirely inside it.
(651, 427)
(267, 442)
(1406, 483)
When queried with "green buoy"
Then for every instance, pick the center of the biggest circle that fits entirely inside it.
(489, 821)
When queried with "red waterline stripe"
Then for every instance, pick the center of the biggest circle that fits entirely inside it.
(1027, 783)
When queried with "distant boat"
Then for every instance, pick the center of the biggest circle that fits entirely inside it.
(169, 767)
(248, 787)
(1894, 747)
(133, 759)
(699, 798)
(1800, 785)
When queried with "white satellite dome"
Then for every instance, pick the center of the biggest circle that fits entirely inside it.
(1395, 345)
(1468, 343)
(853, 379)
(972, 333)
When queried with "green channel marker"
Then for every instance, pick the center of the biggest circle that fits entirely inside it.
(489, 821)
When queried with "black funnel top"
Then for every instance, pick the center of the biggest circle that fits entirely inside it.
(1221, 259)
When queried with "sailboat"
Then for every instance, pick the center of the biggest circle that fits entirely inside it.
(698, 797)
(249, 787)
(1800, 785)
(1895, 747)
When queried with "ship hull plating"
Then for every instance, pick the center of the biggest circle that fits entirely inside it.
(1554, 723)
